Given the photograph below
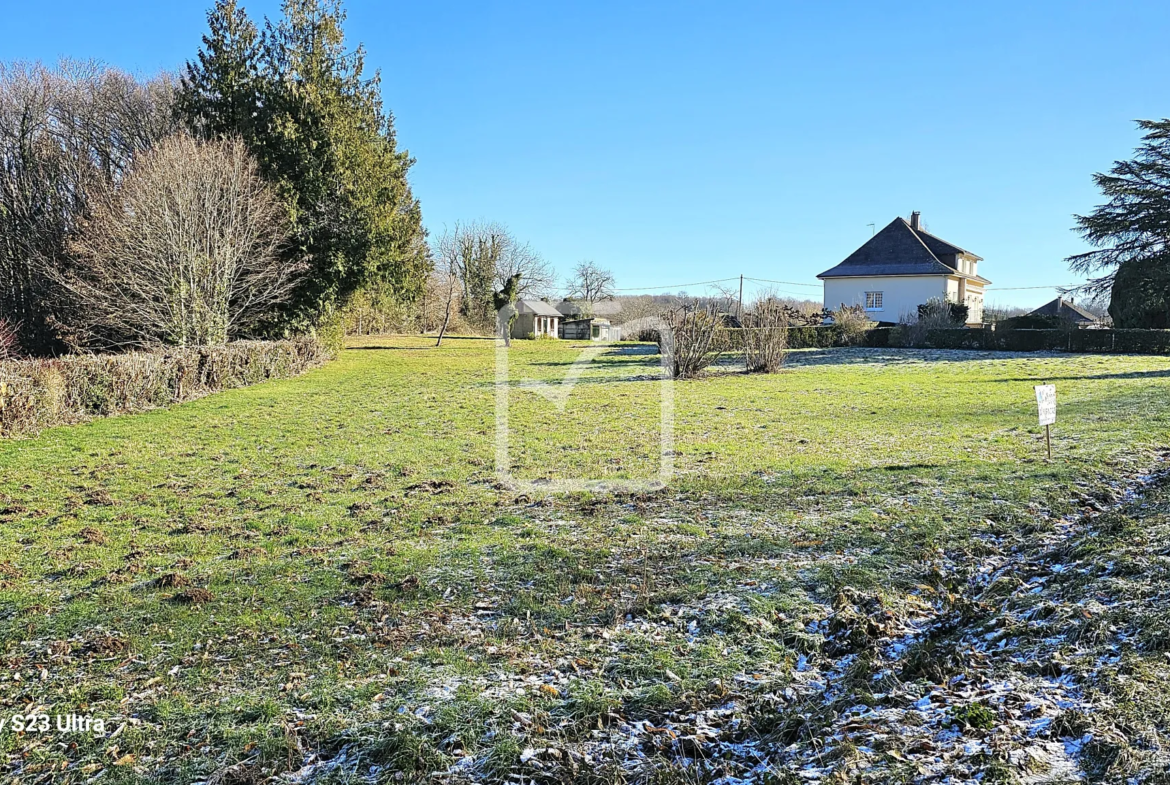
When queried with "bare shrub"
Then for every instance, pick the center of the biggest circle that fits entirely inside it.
(9, 345)
(183, 252)
(692, 341)
(850, 323)
(765, 335)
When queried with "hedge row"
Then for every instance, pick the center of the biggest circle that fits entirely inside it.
(1071, 340)
(988, 339)
(37, 394)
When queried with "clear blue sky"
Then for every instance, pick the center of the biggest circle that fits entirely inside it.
(682, 141)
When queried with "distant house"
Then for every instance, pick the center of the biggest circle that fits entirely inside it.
(575, 309)
(1068, 311)
(904, 266)
(535, 318)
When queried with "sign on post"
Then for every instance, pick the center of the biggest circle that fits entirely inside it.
(1046, 403)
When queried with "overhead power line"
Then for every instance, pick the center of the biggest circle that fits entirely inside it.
(673, 286)
(1022, 288)
(678, 286)
(786, 283)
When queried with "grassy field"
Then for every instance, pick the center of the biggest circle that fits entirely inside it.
(863, 567)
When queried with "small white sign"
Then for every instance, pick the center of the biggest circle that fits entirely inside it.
(1046, 401)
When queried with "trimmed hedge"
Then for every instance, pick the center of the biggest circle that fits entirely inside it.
(36, 394)
(986, 339)
(1030, 340)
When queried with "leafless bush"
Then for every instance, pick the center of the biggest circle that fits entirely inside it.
(692, 340)
(9, 345)
(184, 252)
(765, 335)
(851, 324)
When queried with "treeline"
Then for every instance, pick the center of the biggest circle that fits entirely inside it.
(252, 196)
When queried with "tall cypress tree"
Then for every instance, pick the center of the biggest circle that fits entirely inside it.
(1131, 233)
(219, 94)
(321, 134)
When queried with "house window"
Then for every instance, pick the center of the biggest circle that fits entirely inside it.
(873, 301)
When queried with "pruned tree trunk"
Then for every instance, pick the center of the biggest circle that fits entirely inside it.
(447, 312)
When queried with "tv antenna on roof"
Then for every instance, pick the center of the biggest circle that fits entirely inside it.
(872, 229)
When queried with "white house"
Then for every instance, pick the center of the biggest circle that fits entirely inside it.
(902, 267)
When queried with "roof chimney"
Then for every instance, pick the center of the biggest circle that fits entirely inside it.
(915, 220)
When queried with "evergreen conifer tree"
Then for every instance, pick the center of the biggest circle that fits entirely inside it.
(1131, 232)
(316, 124)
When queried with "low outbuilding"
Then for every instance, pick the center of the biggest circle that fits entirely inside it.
(593, 329)
(536, 319)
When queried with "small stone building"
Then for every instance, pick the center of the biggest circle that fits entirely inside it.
(536, 318)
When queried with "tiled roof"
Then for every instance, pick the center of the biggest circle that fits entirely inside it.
(899, 249)
(536, 307)
(940, 247)
(1065, 310)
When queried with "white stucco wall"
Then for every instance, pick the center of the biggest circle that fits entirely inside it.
(974, 300)
(901, 294)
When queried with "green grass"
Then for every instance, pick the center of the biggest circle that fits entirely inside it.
(375, 589)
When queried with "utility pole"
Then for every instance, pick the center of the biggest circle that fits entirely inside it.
(740, 314)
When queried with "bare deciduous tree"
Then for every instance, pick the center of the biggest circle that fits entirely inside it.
(537, 277)
(590, 283)
(471, 253)
(483, 257)
(65, 133)
(184, 251)
(447, 257)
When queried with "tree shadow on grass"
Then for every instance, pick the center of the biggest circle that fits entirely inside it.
(901, 357)
(1040, 378)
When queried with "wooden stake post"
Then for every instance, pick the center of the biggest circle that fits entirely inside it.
(1046, 404)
